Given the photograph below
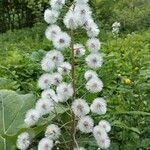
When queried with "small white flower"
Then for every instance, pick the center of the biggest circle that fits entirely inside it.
(45, 144)
(50, 16)
(105, 125)
(94, 60)
(52, 132)
(44, 106)
(23, 141)
(81, 1)
(80, 148)
(94, 85)
(55, 56)
(115, 28)
(52, 31)
(116, 25)
(44, 81)
(80, 107)
(71, 20)
(64, 68)
(93, 45)
(99, 106)
(103, 143)
(49, 94)
(47, 64)
(62, 41)
(79, 50)
(86, 124)
(64, 91)
(90, 74)
(56, 78)
(57, 4)
(31, 117)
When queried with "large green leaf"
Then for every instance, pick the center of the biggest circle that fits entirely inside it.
(12, 110)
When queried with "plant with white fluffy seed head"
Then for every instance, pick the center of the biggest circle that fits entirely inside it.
(23, 141)
(94, 85)
(49, 94)
(44, 81)
(64, 68)
(99, 106)
(45, 144)
(86, 124)
(94, 60)
(80, 107)
(52, 31)
(90, 74)
(62, 41)
(65, 91)
(52, 132)
(105, 125)
(79, 50)
(61, 77)
(31, 117)
(51, 16)
(44, 106)
(55, 56)
(93, 45)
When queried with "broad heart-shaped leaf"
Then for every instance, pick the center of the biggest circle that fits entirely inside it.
(12, 111)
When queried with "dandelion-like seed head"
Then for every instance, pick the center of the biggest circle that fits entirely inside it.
(86, 124)
(99, 106)
(52, 132)
(45, 144)
(23, 141)
(31, 117)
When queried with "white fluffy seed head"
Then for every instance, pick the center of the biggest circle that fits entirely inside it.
(55, 56)
(105, 125)
(94, 85)
(57, 4)
(49, 94)
(93, 45)
(44, 81)
(23, 141)
(64, 91)
(79, 50)
(99, 106)
(80, 107)
(71, 20)
(45, 144)
(80, 148)
(62, 41)
(56, 78)
(52, 31)
(99, 132)
(50, 16)
(47, 65)
(44, 106)
(86, 124)
(90, 74)
(31, 117)
(64, 68)
(52, 132)
(103, 143)
(91, 27)
(94, 60)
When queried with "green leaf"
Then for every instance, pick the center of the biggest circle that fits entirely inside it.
(12, 110)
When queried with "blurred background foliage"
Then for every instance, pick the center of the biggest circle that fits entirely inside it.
(125, 73)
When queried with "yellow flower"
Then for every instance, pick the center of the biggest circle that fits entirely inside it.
(127, 81)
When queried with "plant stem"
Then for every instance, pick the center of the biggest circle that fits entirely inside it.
(73, 125)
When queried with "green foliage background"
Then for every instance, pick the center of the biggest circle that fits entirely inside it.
(125, 73)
